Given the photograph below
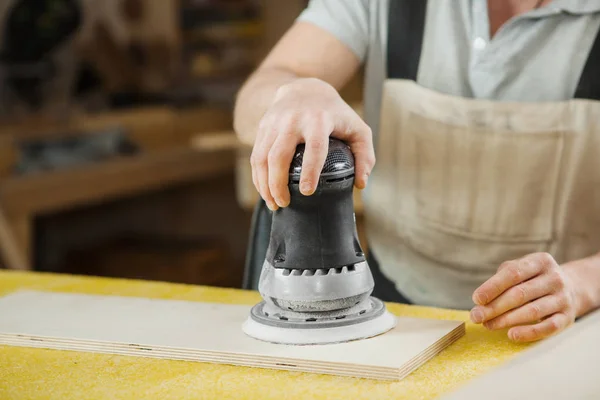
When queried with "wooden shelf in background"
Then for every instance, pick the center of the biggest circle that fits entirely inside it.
(55, 191)
(151, 128)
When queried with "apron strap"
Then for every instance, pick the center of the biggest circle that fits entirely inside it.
(406, 23)
(589, 81)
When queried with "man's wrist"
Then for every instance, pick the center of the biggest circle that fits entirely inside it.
(585, 276)
(305, 84)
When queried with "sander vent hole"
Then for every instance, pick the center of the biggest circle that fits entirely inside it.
(319, 272)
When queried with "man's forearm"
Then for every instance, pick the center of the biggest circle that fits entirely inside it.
(254, 99)
(585, 274)
(305, 50)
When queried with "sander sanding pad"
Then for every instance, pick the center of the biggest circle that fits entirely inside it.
(364, 326)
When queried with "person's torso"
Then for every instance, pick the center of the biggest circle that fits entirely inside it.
(456, 196)
(537, 56)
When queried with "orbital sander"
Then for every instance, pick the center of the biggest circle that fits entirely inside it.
(315, 282)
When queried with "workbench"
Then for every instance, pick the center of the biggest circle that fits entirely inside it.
(27, 373)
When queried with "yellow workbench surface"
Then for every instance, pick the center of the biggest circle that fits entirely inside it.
(49, 374)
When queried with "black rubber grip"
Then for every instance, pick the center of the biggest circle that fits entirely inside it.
(318, 231)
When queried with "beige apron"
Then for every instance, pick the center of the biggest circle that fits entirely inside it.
(462, 185)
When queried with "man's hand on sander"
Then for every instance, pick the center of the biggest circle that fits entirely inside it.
(306, 111)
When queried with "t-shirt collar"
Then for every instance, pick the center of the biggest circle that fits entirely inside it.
(574, 6)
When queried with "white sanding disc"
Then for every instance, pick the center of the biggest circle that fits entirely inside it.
(310, 336)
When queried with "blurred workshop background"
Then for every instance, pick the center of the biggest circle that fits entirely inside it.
(117, 155)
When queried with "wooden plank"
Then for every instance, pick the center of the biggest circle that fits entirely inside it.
(216, 141)
(208, 332)
(151, 128)
(197, 122)
(14, 244)
(143, 125)
(58, 190)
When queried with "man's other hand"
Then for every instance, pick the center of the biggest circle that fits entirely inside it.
(533, 296)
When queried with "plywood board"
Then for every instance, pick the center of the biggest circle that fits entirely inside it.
(207, 332)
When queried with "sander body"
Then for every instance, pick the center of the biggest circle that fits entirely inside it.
(315, 282)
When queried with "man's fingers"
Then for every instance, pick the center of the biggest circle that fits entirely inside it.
(529, 313)
(354, 131)
(546, 328)
(280, 158)
(315, 153)
(364, 163)
(511, 274)
(514, 297)
(280, 133)
(262, 173)
(261, 166)
(253, 156)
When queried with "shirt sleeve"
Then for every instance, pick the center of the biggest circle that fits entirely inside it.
(347, 20)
